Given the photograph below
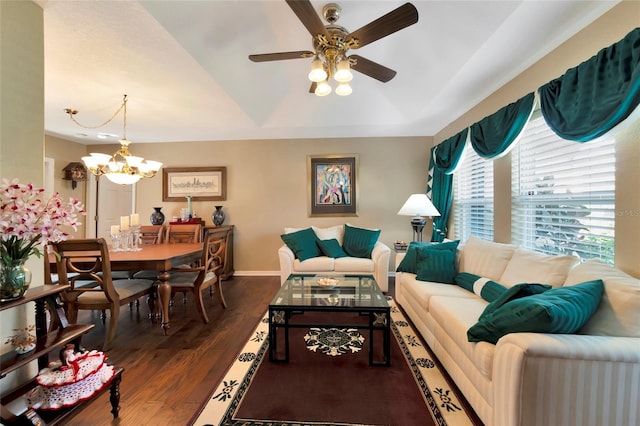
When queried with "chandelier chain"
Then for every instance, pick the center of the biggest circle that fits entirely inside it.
(72, 112)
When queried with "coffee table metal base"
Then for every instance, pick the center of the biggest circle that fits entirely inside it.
(379, 319)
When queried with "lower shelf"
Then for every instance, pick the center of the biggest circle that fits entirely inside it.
(55, 417)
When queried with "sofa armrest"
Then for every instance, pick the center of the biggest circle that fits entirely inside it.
(380, 256)
(566, 378)
(286, 257)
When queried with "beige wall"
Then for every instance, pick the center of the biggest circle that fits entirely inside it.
(21, 133)
(607, 30)
(267, 187)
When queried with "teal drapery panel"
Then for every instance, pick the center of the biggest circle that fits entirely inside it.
(440, 190)
(447, 154)
(592, 98)
(494, 134)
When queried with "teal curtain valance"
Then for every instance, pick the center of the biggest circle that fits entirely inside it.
(592, 98)
(494, 134)
(447, 154)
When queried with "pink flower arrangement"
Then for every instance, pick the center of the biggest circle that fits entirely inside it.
(27, 222)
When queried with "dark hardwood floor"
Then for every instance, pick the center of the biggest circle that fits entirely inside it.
(167, 379)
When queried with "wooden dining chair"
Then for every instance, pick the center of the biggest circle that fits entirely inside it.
(187, 233)
(151, 234)
(81, 260)
(207, 275)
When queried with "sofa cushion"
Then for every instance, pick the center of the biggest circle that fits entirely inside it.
(436, 265)
(527, 266)
(331, 248)
(423, 291)
(485, 258)
(455, 316)
(359, 242)
(314, 264)
(619, 311)
(408, 262)
(302, 243)
(483, 287)
(330, 232)
(559, 310)
(353, 264)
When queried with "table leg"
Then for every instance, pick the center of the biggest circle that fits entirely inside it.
(164, 293)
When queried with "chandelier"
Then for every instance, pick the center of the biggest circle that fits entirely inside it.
(121, 167)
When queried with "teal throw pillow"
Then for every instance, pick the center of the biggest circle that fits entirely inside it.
(483, 287)
(359, 242)
(436, 265)
(331, 248)
(302, 243)
(562, 310)
(513, 293)
(408, 262)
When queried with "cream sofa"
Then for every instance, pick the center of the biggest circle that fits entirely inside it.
(377, 265)
(588, 378)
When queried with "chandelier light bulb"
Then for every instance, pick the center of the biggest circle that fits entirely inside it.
(317, 73)
(323, 88)
(343, 73)
(343, 89)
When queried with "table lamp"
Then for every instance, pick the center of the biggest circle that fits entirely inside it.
(418, 205)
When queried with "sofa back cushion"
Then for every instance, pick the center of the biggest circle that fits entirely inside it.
(485, 258)
(619, 311)
(330, 233)
(527, 266)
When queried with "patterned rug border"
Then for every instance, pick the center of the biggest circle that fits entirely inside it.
(444, 406)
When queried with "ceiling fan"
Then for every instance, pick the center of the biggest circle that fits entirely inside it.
(332, 42)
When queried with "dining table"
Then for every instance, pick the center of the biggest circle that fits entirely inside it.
(158, 257)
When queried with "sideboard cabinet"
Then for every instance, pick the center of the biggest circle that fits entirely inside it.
(49, 341)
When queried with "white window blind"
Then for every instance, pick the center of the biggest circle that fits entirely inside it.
(563, 193)
(473, 197)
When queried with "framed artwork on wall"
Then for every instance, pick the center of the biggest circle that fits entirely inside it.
(332, 184)
(202, 183)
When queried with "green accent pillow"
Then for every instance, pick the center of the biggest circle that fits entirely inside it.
(483, 287)
(359, 242)
(302, 243)
(562, 310)
(408, 262)
(436, 265)
(331, 248)
(513, 293)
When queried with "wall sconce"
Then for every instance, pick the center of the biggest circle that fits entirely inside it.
(75, 172)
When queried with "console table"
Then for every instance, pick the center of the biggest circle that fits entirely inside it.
(48, 342)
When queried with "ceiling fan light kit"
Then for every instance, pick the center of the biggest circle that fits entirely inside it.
(121, 167)
(332, 42)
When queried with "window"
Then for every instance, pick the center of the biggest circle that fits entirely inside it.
(563, 193)
(473, 197)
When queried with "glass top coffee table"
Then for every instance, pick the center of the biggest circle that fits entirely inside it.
(336, 295)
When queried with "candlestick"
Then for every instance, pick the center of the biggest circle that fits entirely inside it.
(135, 219)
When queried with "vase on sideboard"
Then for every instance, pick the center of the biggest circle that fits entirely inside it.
(218, 216)
(157, 217)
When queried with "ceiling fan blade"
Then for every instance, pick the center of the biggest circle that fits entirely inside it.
(308, 16)
(372, 69)
(312, 88)
(281, 56)
(397, 19)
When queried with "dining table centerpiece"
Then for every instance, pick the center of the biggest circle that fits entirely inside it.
(28, 221)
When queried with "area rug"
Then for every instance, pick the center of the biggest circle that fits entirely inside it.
(329, 381)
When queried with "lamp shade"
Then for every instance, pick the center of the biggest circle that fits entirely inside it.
(418, 205)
